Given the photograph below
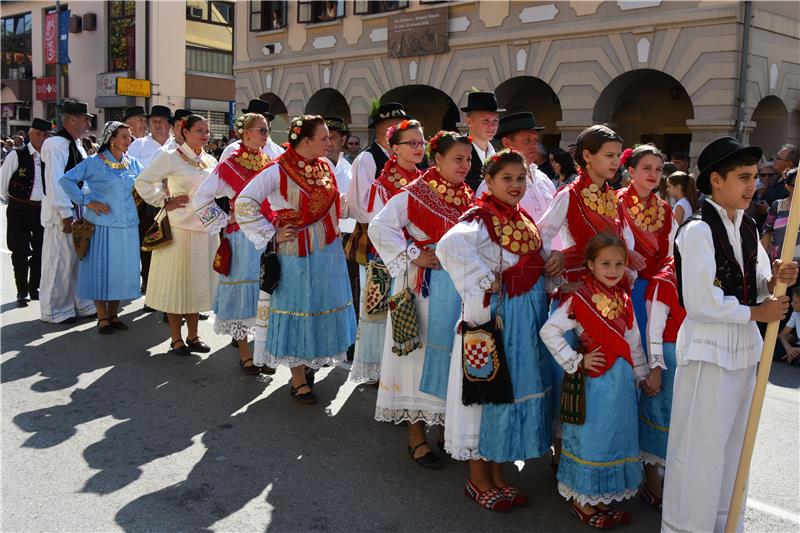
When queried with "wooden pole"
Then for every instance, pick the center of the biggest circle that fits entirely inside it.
(787, 256)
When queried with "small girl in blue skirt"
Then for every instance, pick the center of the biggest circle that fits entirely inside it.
(600, 461)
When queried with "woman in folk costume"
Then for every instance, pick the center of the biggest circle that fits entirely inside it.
(182, 280)
(237, 260)
(311, 316)
(413, 385)
(498, 401)
(110, 271)
(600, 453)
(408, 149)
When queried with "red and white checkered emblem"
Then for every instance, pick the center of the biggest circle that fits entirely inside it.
(477, 354)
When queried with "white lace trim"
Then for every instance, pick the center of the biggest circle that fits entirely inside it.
(464, 454)
(652, 459)
(656, 359)
(411, 416)
(238, 329)
(483, 285)
(361, 372)
(398, 264)
(583, 499)
(260, 238)
(295, 360)
(571, 366)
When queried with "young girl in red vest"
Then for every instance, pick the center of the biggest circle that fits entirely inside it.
(600, 461)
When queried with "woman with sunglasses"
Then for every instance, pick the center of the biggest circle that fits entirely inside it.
(236, 298)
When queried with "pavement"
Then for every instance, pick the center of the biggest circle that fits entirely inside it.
(109, 433)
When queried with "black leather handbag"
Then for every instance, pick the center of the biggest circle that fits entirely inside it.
(270, 274)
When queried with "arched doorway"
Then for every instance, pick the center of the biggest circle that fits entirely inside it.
(772, 125)
(280, 124)
(432, 107)
(328, 102)
(526, 93)
(647, 106)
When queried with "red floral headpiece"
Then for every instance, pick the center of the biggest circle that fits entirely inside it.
(625, 157)
(391, 130)
(433, 142)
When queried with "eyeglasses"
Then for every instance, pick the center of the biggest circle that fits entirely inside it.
(353, 143)
(262, 131)
(415, 144)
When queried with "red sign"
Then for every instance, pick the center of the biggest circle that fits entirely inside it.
(50, 39)
(46, 88)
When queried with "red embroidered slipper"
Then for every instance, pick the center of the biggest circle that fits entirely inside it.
(492, 499)
(517, 497)
(618, 516)
(599, 519)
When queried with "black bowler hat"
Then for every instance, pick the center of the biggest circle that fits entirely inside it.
(134, 111)
(718, 152)
(516, 122)
(337, 124)
(259, 106)
(482, 101)
(161, 111)
(386, 111)
(41, 125)
(180, 114)
(75, 108)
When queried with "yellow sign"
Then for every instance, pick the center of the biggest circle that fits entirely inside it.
(133, 87)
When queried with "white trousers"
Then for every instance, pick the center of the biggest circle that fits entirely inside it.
(58, 297)
(710, 406)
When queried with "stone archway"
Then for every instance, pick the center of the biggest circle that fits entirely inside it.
(647, 106)
(526, 93)
(328, 102)
(772, 125)
(280, 124)
(432, 107)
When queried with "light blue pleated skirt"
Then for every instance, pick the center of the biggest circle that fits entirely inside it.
(654, 413)
(111, 268)
(237, 293)
(444, 312)
(600, 459)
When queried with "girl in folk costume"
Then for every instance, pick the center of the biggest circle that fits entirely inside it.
(408, 148)
(664, 318)
(600, 453)
(311, 316)
(498, 409)
(413, 384)
(237, 260)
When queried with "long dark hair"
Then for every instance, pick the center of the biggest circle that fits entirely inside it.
(687, 185)
(565, 161)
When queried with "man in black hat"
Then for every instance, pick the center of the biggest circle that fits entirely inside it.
(483, 119)
(723, 273)
(136, 119)
(59, 280)
(177, 123)
(271, 149)
(21, 186)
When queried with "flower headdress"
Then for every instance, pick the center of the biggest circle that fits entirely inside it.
(625, 157)
(294, 128)
(240, 125)
(499, 155)
(433, 143)
(391, 130)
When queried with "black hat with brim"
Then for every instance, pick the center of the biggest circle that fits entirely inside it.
(134, 111)
(180, 114)
(75, 108)
(514, 122)
(41, 125)
(161, 111)
(717, 153)
(482, 101)
(336, 124)
(387, 111)
(260, 107)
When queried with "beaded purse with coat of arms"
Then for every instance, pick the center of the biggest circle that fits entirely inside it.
(378, 287)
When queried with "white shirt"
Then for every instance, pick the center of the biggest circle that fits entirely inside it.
(717, 329)
(687, 208)
(539, 193)
(11, 164)
(343, 171)
(56, 205)
(272, 149)
(794, 321)
(363, 176)
(483, 155)
(657, 315)
(144, 149)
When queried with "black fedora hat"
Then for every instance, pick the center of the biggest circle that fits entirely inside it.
(134, 111)
(386, 111)
(259, 106)
(41, 125)
(71, 107)
(336, 124)
(180, 114)
(482, 101)
(161, 111)
(517, 122)
(718, 152)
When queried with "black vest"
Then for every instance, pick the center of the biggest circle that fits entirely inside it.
(21, 184)
(74, 155)
(379, 156)
(729, 276)
(475, 175)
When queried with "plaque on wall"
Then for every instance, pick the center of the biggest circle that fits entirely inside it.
(418, 33)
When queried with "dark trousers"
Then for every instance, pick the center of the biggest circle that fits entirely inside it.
(24, 236)
(355, 288)
(147, 214)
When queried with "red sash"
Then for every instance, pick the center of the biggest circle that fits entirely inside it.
(434, 205)
(234, 173)
(392, 179)
(650, 220)
(605, 315)
(666, 282)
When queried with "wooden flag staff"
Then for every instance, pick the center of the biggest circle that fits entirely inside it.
(787, 256)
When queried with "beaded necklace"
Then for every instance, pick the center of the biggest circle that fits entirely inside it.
(252, 159)
(122, 164)
(647, 214)
(195, 163)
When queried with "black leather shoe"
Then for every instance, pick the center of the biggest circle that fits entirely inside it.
(179, 350)
(196, 345)
(35, 295)
(201, 316)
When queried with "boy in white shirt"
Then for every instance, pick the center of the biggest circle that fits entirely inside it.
(789, 335)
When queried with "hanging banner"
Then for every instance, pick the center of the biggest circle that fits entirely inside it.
(50, 39)
(63, 38)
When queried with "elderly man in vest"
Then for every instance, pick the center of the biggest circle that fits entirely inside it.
(21, 187)
(59, 301)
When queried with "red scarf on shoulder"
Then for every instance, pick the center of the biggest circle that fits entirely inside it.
(237, 171)
(666, 282)
(392, 179)
(650, 220)
(435, 205)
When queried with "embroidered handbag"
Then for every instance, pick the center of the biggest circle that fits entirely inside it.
(486, 376)
(379, 284)
(572, 409)
(405, 329)
(270, 270)
(357, 246)
(223, 257)
(82, 231)
(158, 234)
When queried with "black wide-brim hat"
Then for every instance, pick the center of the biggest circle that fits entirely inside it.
(718, 152)
(75, 108)
(387, 111)
(41, 125)
(180, 114)
(482, 101)
(134, 111)
(161, 111)
(260, 107)
(517, 122)
(336, 124)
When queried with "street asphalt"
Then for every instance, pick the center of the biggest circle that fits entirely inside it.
(108, 433)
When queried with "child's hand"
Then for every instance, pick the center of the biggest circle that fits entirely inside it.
(637, 261)
(495, 287)
(785, 273)
(793, 354)
(652, 385)
(594, 361)
(770, 310)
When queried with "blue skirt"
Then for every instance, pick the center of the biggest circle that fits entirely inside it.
(600, 460)
(237, 293)
(640, 308)
(311, 317)
(522, 430)
(654, 413)
(444, 312)
(110, 270)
